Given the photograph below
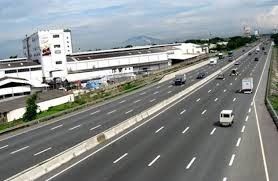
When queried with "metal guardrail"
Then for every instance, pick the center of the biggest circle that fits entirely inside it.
(268, 104)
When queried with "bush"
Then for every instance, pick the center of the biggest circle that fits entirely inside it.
(275, 38)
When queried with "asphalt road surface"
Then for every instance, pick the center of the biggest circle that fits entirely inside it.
(185, 142)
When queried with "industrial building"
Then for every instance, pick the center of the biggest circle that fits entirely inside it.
(49, 56)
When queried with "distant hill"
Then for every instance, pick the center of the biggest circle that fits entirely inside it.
(142, 40)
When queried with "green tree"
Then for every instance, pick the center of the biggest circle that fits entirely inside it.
(31, 108)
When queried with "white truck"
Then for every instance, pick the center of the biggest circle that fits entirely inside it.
(247, 85)
(258, 49)
(213, 61)
(180, 79)
(226, 118)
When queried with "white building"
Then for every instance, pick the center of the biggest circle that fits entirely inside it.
(49, 48)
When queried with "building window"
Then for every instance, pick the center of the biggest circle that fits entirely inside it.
(10, 71)
(59, 62)
(23, 70)
(56, 36)
(36, 69)
(57, 51)
(57, 46)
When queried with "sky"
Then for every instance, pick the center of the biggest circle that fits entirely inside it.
(107, 23)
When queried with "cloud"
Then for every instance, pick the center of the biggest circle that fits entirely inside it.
(268, 19)
(103, 23)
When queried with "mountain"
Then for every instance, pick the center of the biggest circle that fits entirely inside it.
(142, 40)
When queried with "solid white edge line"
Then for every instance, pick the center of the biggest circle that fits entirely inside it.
(186, 129)
(4, 147)
(162, 127)
(232, 160)
(95, 127)
(212, 132)
(154, 160)
(121, 157)
(56, 127)
(258, 123)
(19, 150)
(191, 162)
(45, 150)
(238, 142)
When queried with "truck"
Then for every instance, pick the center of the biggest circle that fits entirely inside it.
(226, 118)
(180, 79)
(213, 61)
(247, 85)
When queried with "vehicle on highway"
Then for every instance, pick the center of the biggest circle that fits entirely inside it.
(265, 53)
(258, 49)
(237, 63)
(220, 55)
(256, 59)
(263, 48)
(230, 53)
(213, 61)
(180, 79)
(250, 53)
(220, 76)
(247, 85)
(201, 75)
(231, 59)
(234, 72)
(243, 50)
(226, 118)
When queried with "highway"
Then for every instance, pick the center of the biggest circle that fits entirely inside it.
(185, 142)
(22, 151)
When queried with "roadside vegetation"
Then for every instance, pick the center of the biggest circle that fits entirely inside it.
(273, 92)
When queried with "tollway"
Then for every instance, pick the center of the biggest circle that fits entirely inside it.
(22, 151)
(184, 142)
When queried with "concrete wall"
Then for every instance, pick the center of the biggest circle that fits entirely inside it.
(43, 106)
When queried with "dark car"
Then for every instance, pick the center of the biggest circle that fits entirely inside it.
(265, 53)
(256, 59)
(237, 63)
(243, 50)
(220, 76)
(201, 75)
(250, 53)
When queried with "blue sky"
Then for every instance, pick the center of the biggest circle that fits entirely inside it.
(105, 23)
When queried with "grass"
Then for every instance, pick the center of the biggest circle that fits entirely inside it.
(4, 126)
(274, 101)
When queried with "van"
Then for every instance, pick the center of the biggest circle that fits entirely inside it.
(226, 118)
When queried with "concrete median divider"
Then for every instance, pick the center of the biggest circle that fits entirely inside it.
(60, 159)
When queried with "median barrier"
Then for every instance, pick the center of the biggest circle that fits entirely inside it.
(56, 161)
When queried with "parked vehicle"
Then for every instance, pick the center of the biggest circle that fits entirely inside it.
(247, 85)
(226, 118)
(201, 75)
(180, 79)
(230, 53)
(234, 72)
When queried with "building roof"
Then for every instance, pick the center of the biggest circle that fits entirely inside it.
(118, 53)
(17, 64)
(16, 103)
(6, 80)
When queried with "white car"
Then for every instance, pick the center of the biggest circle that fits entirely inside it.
(226, 118)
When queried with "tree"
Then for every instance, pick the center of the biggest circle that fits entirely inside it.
(129, 46)
(31, 108)
(275, 38)
(13, 56)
